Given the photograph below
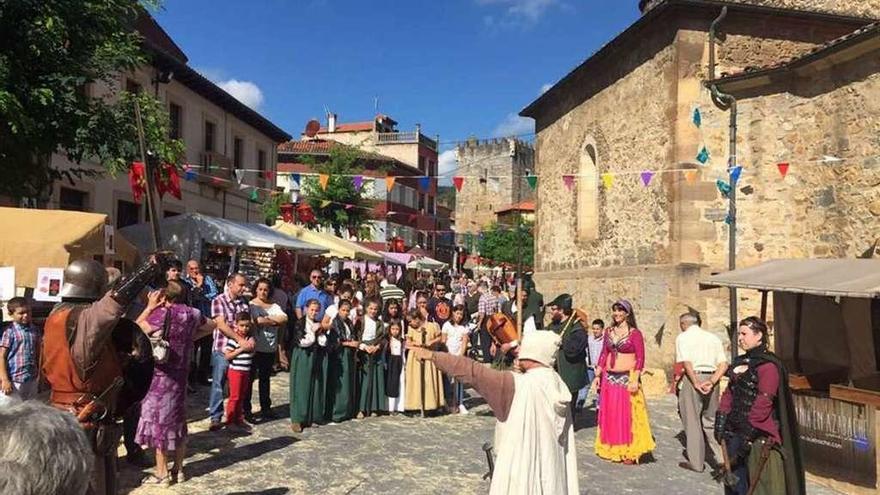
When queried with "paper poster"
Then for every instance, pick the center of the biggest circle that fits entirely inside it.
(109, 240)
(49, 282)
(7, 282)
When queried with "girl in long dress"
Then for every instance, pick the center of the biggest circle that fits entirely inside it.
(623, 434)
(395, 360)
(372, 373)
(341, 349)
(423, 334)
(308, 370)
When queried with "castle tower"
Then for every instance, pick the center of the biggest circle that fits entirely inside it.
(868, 9)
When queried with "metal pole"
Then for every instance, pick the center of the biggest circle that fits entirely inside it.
(150, 178)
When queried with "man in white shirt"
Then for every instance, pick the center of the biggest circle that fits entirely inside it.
(705, 362)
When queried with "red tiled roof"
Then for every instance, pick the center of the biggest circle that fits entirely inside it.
(350, 127)
(306, 147)
(522, 206)
(322, 147)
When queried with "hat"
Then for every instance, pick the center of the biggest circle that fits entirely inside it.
(540, 346)
(562, 301)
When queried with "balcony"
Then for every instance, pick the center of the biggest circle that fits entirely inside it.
(409, 137)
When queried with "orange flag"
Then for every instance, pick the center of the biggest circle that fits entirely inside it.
(389, 183)
(323, 179)
(690, 176)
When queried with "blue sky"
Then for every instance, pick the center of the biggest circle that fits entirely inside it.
(458, 67)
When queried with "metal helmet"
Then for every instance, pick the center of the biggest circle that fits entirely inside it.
(84, 279)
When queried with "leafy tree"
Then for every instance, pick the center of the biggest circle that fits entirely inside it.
(52, 51)
(502, 243)
(340, 191)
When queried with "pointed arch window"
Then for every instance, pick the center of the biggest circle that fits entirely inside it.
(588, 192)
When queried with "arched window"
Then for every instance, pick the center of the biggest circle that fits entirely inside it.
(588, 193)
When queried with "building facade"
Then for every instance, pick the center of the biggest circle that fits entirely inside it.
(631, 107)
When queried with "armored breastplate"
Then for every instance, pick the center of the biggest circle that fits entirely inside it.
(744, 388)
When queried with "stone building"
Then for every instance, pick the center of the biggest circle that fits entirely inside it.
(806, 74)
(494, 173)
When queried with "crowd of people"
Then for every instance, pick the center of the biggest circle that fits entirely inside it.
(361, 345)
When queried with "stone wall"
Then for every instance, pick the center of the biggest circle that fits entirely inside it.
(856, 8)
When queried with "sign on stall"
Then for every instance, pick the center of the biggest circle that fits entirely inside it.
(49, 282)
(7, 282)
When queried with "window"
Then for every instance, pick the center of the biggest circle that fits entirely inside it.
(132, 86)
(210, 132)
(587, 202)
(175, 114)
(127, 213)
(422, 165)
(237, 152)
(72, 199)
(261, 160)
(421, 202)
(430, 205)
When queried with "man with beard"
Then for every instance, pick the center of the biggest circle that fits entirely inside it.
(572, 360)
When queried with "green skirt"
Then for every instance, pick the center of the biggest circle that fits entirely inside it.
(308, 385)
(341, 391)
(372, 384)
(772, 480)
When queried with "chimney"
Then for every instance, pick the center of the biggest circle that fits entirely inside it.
(331, 122)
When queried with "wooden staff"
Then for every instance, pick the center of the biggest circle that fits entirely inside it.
(424, 333)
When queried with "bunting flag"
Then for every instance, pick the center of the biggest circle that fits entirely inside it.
(348, 206)
(268, 174)
(690, 176)
(647, 175)
(217, 181)
(458, 182)
(424, 183)
(607, 180)
(412, 217)
(168, 180)
(568, 180)
(188, 173)
(533, 181)
(239, 175)
(783, 168)
(357, 181)
(325, 203)
(723, 187)
(137, 180)
(296, 178)
(254, 196)
(242, 186)
(728, 219)
(389, 183)
(735, 172)
(698, 119)
(703, 155)
(323, 179)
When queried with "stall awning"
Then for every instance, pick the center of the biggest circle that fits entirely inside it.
(426, 263)
(397, 258)
(185, 234)
(52, 238)
(337, 247)
(824, 277)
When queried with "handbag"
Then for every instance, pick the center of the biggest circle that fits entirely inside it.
(160, 345)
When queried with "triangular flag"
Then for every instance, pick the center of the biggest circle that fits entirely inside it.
(424, 183)
(325, 203)
(216, 181)
(728, 219)
(254, 196)
(698, 119)
(533, 181)
(607, 180)
(568, 180)
(323, 179)
(783, 168)
(188, 173)
(690, 176)
(296, 178)
(735, 172)
(357, 181)
(703, 155)
(724, 187)
(348, 207)
(412, 217)
(239, 175)
(268, 174)
(646, 177)
(389, 183)
(242, 186)
(458, 182)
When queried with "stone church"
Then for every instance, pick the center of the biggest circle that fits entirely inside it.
(806, 78)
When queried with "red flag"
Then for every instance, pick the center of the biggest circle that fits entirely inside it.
(268, 174)
(783, 168)
(457, 182)
(173, 184)
(137, 181)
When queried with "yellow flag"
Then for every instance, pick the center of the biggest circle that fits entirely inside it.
(607, 180)
(389, 183)
(323, 179)
(325, 203)
(691, 176)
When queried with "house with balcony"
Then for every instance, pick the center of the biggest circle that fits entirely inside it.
(220, 134)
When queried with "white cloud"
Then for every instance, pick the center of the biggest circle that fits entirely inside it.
(244, 91)
(514, 125)
(447, 162)
(545, 87)
(528, 11)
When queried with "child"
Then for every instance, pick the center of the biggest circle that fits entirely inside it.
(422, 334)
(238, 373)
(372, 377)
(455, 337)
(341, 350)
(308, 369)
(395, 386)
(19, 345)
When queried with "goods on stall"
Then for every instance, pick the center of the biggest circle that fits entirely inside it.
(216, 261)
(255, 263)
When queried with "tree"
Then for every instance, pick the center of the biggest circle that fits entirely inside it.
(502, 243)
(340, 206)
(52, 51)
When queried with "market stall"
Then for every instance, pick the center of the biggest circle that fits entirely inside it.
(337, 247)
(826, 322)
(223, 245)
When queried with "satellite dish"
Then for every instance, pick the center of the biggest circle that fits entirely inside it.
(312, 128)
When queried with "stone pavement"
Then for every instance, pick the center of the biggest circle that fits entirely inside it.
(398, 454)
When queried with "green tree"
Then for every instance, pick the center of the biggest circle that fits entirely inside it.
(340, 191)
(52, 51)
(505, 244)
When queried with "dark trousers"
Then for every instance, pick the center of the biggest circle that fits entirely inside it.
(261, 370)
(740, 467)
(129, 428)
(201, 363)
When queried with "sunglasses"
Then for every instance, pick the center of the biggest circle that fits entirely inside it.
(316, 277)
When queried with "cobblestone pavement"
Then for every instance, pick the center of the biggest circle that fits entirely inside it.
(401, 455)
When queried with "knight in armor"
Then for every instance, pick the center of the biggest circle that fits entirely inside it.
(572, 361)
(81, 362)
(756, 420)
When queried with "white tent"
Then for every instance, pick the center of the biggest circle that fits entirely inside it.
(426, 263)
(186, 234)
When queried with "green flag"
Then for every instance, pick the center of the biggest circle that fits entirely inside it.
(533, 181)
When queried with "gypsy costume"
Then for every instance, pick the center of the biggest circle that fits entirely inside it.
(623, 433)
(341, 368)
(395, 384)
(372, 374)
(433, 379)
(308, 373)
(756, 417)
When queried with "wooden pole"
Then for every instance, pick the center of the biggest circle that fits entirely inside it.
(764, 306)
(150, 178)
(798, 318)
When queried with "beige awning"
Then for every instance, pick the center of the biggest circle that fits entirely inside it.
(338, 247)
(823, 277)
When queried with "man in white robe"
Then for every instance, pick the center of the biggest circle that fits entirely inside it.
(534, 436)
